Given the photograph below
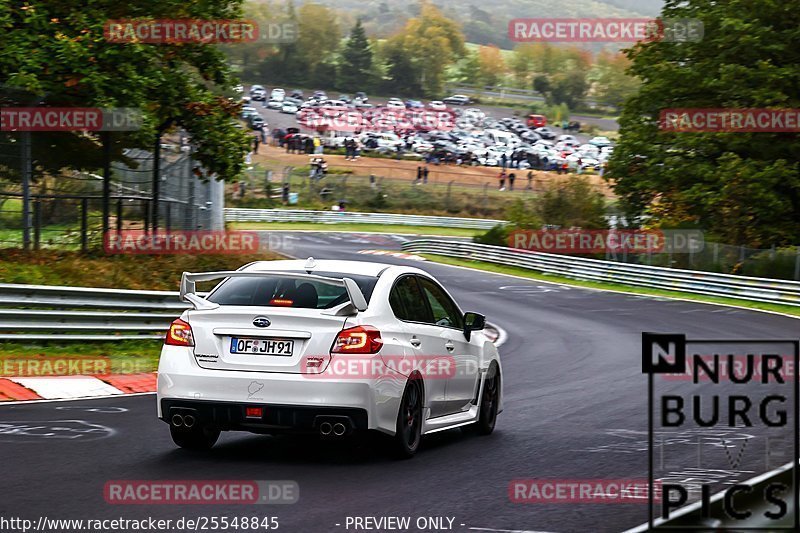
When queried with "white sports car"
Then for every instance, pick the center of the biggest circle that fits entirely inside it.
(326, 347)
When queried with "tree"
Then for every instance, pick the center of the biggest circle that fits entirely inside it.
(574, 203)
(469, 68)
(402, 76)
(318, 35)
(492, 66)
(57, 50)
(431, 42)
(611, 83)
(355, 70)
(743, 188)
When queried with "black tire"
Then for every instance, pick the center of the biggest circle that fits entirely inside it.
(197, 438)
(409, 421)
(489, 402)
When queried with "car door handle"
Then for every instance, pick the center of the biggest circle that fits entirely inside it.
(450, 346)
(415, 342)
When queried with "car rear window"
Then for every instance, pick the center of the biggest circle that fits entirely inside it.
(300, 292)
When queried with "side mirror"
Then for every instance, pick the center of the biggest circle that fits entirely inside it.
(473, 322)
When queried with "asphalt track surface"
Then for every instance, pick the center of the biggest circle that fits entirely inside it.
(575, 408)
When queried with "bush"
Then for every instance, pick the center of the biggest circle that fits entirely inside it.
(497, 236)
(767, 264)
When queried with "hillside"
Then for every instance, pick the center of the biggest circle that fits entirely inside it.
(488, 25)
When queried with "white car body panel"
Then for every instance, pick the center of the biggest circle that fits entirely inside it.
(209, 372)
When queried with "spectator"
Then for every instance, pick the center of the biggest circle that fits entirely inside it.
(504, 163)
(256, 143)
(349, 149)
(356, 149)
(242, 189)
(372, 181)
(264, 134)
(317, 145)
(425, 175)
(530, 180)
(419, 176)
(285, 193)
(502, 179)
(511, 178)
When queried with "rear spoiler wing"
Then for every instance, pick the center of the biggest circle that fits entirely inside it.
(188, 280)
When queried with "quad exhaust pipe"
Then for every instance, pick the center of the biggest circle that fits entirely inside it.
(339, 429)
(325, 429)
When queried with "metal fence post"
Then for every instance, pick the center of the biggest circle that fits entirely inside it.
(797, 265)
(37, 223)
(119, 216)
(84, 224)
(26, 189)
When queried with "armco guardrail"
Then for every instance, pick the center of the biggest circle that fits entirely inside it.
(346, 217)
(42, 312)
(706, 283)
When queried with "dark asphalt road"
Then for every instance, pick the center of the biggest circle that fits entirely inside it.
(575, 408)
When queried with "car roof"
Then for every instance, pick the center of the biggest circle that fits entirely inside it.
(362, 268)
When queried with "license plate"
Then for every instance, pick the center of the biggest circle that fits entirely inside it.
(278, 347)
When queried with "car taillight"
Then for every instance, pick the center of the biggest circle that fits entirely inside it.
(360, 339)
(179, 334)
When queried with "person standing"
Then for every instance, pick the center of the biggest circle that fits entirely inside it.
(419, 176)
(256, 143)
(425, 175)
(504, 163)
(264, 134)
(511, 178)
(530, 180)
(502, 179)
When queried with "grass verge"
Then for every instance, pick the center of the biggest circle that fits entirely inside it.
(125, 271)
(119, 357)
(516, 271)
(153, 272)
(368, 228)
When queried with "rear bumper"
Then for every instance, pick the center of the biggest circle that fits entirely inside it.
(291, 401)
(232, 416)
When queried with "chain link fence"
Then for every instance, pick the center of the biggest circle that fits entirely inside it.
(66, 211)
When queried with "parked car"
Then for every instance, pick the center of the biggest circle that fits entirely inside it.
(277, 94)
(414, 104)
(256, 122)
(289, 108)
(258, 93)
(536, 121)
(437, 105)
(457, 99)
(247, 111)
(396, 104)
(276, 346)
(546, 133)
(600, 141)
(297, 93)
(362, 96)
(275, 104)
